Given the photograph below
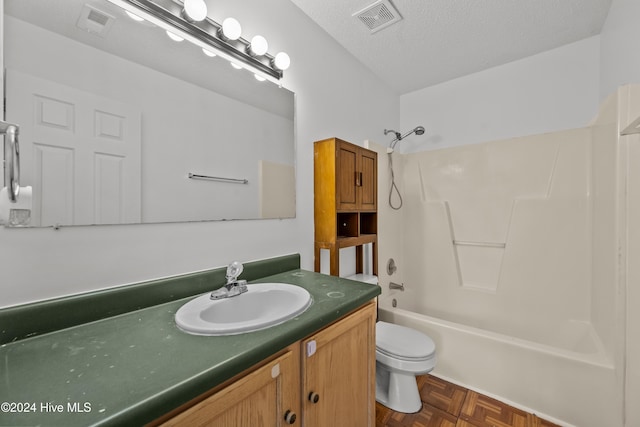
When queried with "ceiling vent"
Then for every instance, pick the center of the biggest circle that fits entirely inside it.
(378, 15)
(94, 21)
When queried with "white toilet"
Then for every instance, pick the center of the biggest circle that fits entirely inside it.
(401, 354)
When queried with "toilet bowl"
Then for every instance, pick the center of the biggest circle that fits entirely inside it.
(401, 354)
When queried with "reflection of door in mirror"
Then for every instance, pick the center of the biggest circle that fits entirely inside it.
(196, 115)
(85, 150)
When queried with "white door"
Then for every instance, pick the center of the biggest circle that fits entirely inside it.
(81, 152)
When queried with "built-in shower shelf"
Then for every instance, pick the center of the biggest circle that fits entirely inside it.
(634, 127)
(478, 264)
(482, 244)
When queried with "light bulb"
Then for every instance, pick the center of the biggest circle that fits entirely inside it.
(133, 16)
(258, 45)
(174, 37)
(282, 61)
(195, 10)
(208, 52)
(236, 66)
(259, 78)
(231, 29)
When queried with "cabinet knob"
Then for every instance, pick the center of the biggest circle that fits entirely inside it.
(290, 417)
(314, 397)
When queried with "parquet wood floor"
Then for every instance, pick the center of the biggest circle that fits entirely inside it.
(449, 405)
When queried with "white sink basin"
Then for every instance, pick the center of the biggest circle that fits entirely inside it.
(262, 306)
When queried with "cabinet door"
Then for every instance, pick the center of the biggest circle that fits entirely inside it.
(259, 399)
(369, 180)
(347, 156)
(339, 373)
(356, 177)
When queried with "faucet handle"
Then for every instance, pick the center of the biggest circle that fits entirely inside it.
(233, 271)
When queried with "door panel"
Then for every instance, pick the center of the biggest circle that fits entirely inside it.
(369, 188)
(341, 372)
(76, 144)
(260, 399)
(347, 166)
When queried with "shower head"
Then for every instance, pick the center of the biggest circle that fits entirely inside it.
(418, 131)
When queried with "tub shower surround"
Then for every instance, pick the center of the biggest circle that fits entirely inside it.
(510, 264)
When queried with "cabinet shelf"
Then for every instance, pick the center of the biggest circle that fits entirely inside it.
(363, 239)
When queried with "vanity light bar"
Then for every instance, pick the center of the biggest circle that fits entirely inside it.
(167, 14)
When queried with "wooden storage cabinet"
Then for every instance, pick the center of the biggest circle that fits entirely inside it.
(327, 379)
(338, 367)
(345, 201)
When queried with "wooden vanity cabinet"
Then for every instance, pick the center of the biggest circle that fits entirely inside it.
(267, 396)
(338, 373)
(327, 379)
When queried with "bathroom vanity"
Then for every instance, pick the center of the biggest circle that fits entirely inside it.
(116, 357)
(327, 379)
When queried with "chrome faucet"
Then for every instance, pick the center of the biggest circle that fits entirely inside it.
(393, 285)
(234, 286)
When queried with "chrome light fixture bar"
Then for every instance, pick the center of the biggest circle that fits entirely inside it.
(207, 34)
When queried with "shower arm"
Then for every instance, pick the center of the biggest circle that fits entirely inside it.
(396, 139)
(399, 137)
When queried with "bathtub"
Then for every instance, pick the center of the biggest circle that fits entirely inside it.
(561, 374)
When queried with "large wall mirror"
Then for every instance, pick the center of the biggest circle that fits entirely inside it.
(112, 123)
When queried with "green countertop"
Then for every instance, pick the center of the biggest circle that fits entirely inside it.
(134, 367)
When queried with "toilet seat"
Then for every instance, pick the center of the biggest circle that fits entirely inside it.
(403, 343)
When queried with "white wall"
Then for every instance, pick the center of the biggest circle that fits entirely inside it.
(335, 96)
(620, 62)
(551, 91)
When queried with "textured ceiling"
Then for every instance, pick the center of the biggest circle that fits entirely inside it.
(439, 40)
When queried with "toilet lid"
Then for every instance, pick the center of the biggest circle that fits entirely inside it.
(402, 342)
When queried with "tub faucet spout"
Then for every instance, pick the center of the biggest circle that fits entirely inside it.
(393, 285)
